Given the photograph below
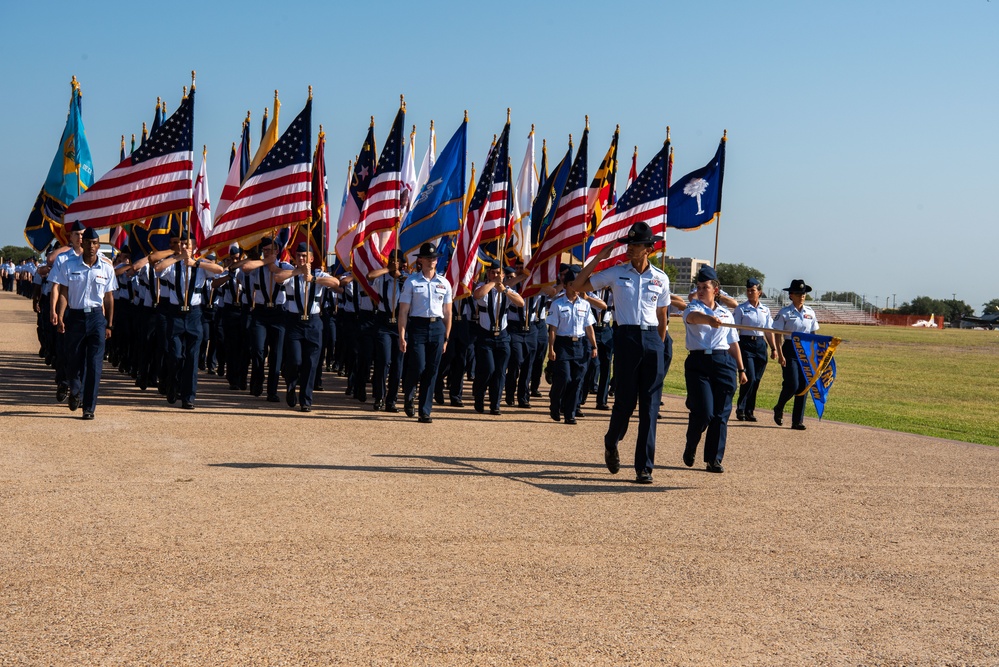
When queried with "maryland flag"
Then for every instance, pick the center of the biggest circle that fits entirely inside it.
(602, 193)
(815, 357)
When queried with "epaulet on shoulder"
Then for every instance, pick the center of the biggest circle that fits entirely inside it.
(106, 260)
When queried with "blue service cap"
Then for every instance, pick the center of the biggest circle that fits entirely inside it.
(753, 282)
(302, 247)
(493, 264)
(76, 226)
(705, 274)
(90, 234)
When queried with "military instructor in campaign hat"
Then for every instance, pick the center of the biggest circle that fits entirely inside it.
(641, 297)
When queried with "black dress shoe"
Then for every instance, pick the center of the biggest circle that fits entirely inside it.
(536, 394)
(778, 416)
(457, 403)
(318, 387)
(741, 416)
(425, 420)
(439, 399)
(495, 411)
(272, 398)
(798, 427)
(751, 418)
(88, 415)
(186, 405)
(391, 408)
(715, 467)
(410, 410)
(579, 414)
(603, 406)
(378, 405)
(306, 408)
(290, 398)
(362, 397)
(480, 407)
(613, 460)
(61, 393)
(644, 477)
(74, 402)
(688, 460)
(570, 421)
(556, 417)
(509, 402)
(524, 404)
(171, 395)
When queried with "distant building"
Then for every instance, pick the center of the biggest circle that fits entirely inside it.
(686, 268)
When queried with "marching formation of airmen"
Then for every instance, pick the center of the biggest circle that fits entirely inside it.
(269, 326)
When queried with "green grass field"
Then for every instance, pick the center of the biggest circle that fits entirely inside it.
(943, 383)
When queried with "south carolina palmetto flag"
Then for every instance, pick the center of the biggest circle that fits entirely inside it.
(382, 208)
(643, 201)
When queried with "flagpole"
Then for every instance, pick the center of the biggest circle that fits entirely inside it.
(720, 179)
(669, 169)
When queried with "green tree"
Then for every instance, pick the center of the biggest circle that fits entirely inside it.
(17, 254)
(990, 307)
(951, 309)
(842, 297)
(737, 274)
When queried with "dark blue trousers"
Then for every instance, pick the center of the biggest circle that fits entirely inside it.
(492, 353)
(84, 347)
(794, 383)
(184, 332)
(388, 364)
(568, 369)
(523, 349)
(540, 331)
(605, 353)
(235, 323)
(303, 342)
(754, 359)
(711, 382)
(459, 356)
(638, 369)
(424, 345)
(266, 333)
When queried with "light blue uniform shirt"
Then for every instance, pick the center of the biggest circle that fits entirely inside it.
(389, 290)
(296, 288)
(706, 337)
(637, 296)
(753, 316)
(85, 285)
(570, 318)
(265, 288)
(177, 293)
(426, 297)
(792, 320)
(491, 308)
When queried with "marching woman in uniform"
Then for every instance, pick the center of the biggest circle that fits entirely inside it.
(753, 345)
(570, 327)
(424, 327)
(713, 370)
(388, 284)
(492, 346)
(796, 318)
(303, 325)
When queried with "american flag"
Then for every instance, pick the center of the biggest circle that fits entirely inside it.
(567, 230)
(382, 207)
(463, 266)
(239, 164)
(496, 216)
(278, 193)
(317, 231)
(357, 192)
(643, 201)
(156, 179)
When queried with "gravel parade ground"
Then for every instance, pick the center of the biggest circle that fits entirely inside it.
(246, 533)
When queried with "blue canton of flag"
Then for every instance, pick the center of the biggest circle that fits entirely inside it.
(439, 206)
(695, 199)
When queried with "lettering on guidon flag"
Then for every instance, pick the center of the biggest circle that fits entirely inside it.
(815, 357)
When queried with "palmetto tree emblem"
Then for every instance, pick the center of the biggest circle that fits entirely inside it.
(695, 188)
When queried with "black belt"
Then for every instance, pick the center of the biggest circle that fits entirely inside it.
(741, 336)
(638, 327)
(708, 353)
(80, 311)
(569, 339)
(425, 320)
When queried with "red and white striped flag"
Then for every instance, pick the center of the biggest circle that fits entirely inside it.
(382, 207)
(156, 179)
(464, 265)
(278, 193)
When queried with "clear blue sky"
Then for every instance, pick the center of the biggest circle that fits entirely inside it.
(862, 135)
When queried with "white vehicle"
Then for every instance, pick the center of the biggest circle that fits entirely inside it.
(927, 324)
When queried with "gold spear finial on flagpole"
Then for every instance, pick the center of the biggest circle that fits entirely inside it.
(310, 92)
(724, 135)
(667, 133)
(570, 141)
(466, 115)
(587, 117)
(431, 125)
(204, 151)
(508, 114)
(144, 132)
(617, 129)
(74, 84)
(184, 96)
(372, 121)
